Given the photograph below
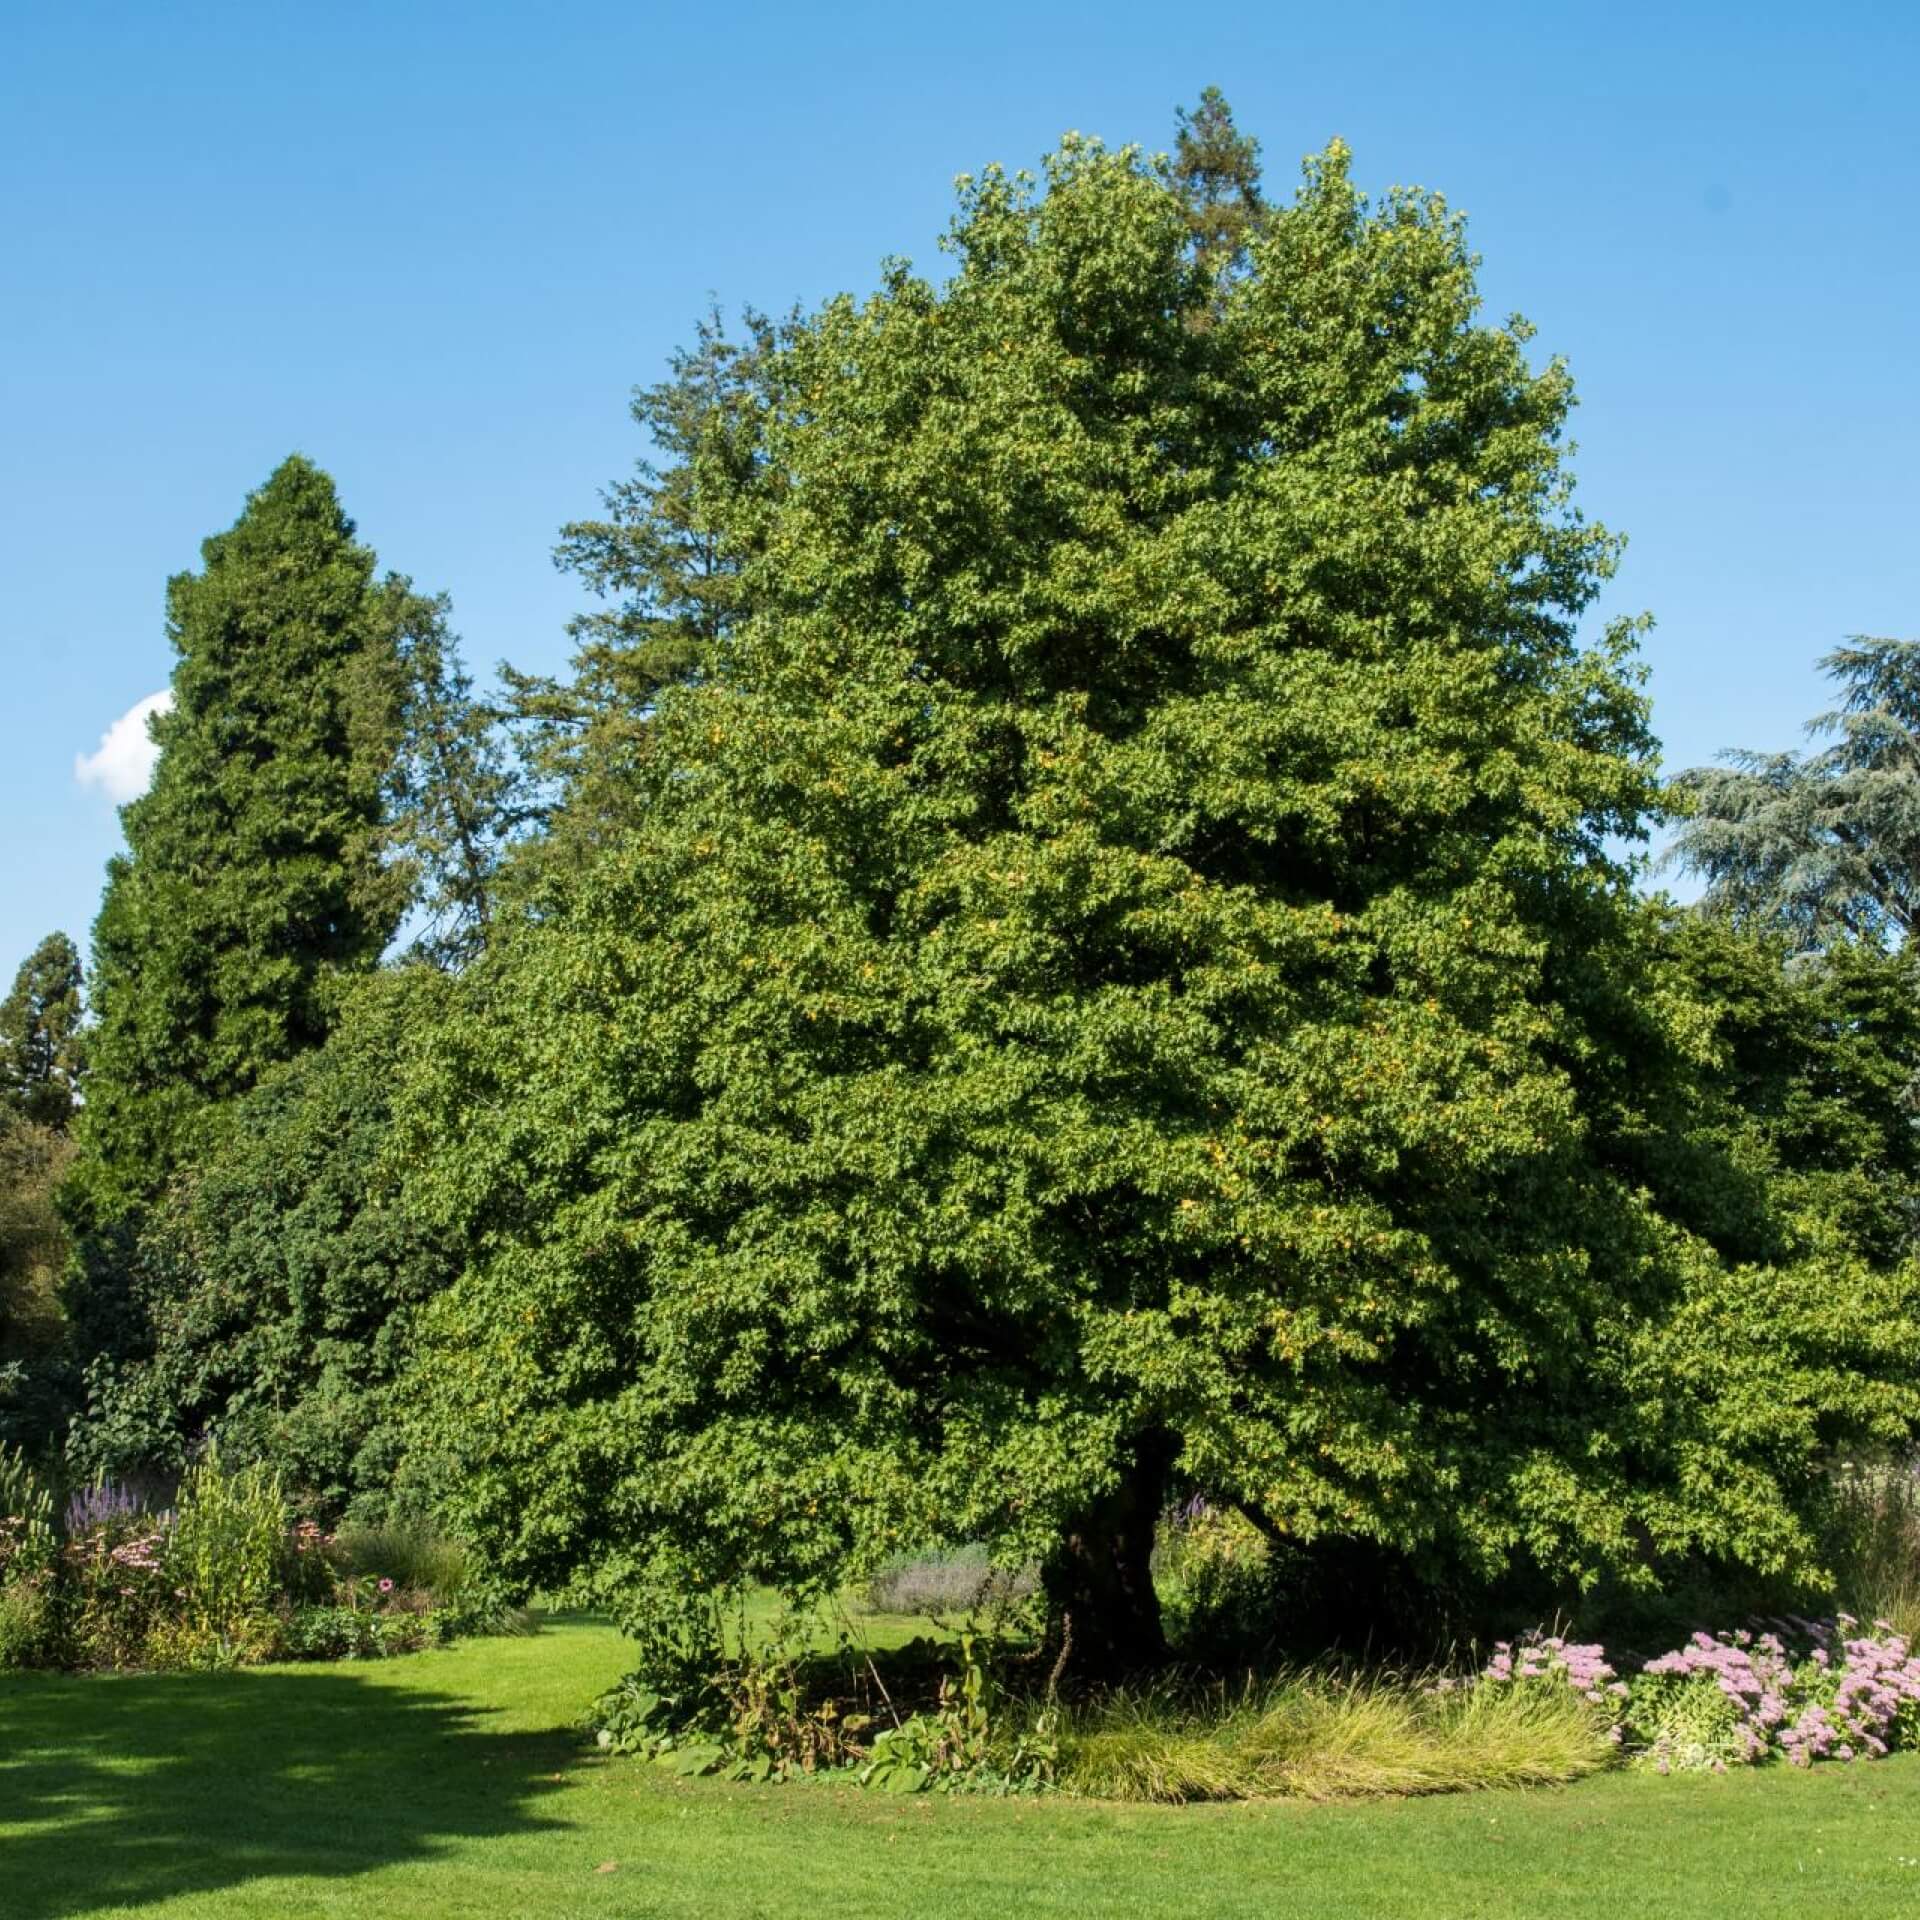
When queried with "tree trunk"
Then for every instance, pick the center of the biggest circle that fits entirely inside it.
(1103, 1616)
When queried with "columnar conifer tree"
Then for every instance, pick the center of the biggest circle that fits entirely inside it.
(325, 770)
(1119, 980)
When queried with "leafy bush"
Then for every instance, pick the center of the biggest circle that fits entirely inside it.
(281, 1255)
(1220, 1584)
(763, 1716)
(350, 1632)
(778, 1710)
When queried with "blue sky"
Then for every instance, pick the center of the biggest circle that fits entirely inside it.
(433, 246)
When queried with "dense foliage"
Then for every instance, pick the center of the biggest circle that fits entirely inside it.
(1068, 942)
(668, 585)
(283, 1278)
(34, 1358)
(325, 773)
(1115, 975)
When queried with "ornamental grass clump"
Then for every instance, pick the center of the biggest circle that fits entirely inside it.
(1874, 1547)
(1323, 1736)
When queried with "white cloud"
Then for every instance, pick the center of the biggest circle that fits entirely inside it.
(123, 763)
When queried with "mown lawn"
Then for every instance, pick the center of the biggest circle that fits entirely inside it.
(450, 1784)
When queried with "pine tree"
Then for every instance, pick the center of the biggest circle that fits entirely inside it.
(254, 876)
(40, 1039)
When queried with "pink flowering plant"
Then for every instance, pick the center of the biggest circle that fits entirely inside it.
(1796, 1690)
(117, 1586)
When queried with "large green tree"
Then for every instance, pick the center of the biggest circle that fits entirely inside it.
(35, 1385)
(253, 879)
(1119, 979)
(40, 1038)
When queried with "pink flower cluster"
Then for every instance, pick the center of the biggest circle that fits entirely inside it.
(139, 1555)
(1754, 1676)
(1875, 1700)
(1581, 1665)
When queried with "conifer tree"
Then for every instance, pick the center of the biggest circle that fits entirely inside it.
(40, 1040)
(1216, 173)
(1823, 846)
(665, 557)
(254, 876)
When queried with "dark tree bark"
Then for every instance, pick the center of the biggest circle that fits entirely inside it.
(1102, 1611)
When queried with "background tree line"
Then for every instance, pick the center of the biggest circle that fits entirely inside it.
(1063, 943)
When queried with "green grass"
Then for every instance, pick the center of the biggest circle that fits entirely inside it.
(450, 1784)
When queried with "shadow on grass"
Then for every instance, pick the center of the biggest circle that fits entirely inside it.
(130, 1789)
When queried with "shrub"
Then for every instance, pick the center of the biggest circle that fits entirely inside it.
(27, 1622)
(355, 1633)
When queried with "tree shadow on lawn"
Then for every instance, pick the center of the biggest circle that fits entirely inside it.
(144, 1787)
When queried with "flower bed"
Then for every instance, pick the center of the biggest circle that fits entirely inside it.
(1794, 1689)
(217, 1578)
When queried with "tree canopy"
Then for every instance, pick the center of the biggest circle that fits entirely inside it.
(1115, 975)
